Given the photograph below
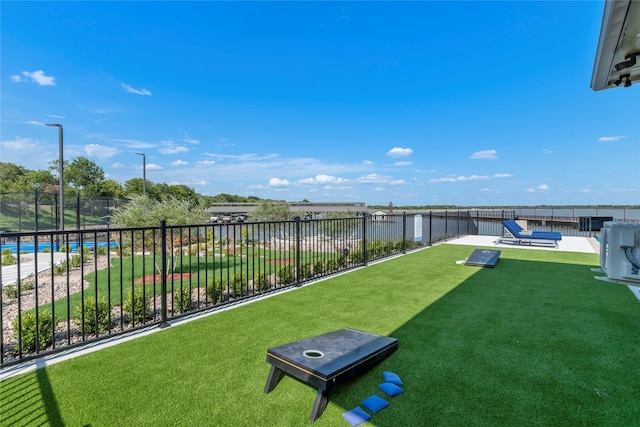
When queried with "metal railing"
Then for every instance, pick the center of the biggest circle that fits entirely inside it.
(66, 289)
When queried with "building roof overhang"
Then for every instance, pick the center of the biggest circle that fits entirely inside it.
(617, 60)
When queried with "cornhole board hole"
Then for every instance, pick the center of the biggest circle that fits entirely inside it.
(483, 258)
(325, 361)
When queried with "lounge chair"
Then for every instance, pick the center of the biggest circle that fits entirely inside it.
(514, 233)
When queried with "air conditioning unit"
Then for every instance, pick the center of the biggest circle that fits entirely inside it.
(620, 254)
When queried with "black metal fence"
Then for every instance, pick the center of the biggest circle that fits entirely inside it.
(70, 288)
(67, 289)
(39, 211)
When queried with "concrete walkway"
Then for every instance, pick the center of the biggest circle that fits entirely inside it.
(28, 268)
(567, 244)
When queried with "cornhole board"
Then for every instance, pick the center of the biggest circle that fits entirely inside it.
(483, 258)
(325, 361)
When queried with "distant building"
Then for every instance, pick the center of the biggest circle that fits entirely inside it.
(239, 212)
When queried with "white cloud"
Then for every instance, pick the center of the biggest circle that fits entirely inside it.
(180, 163)
(458, 178)
(502, 175)
(611, 138)
(117, 165)
(367, 162)
(34, 76)
(399, 152)
(175, 149)
(402, 164)
(153, 167)
(546, 151)
(134, 143)
(397, 182)
(19, 144)
(55, 117)
(277, 182)
(100, 151)
(205, 163)
(541, 187)
(134, 90)
(373, 178)
(323, 179)
(191, 141)
(485, 154)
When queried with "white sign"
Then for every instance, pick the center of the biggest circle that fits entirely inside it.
(417, 228)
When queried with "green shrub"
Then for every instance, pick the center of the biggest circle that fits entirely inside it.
(28, 331)
(7, 252)
(136, 307)
(341, 260)
(357, 257)
(75, 261)
(214, 290)
(261, 282)
(8, 259)
(239, 285)
(46, 250)
(59, 269)
(332, 265)
(28, 283)
(286, 274)
(182, 300)
(94, 317)
(305, 270)
(64, 248)
(318, 267)
(101, 250)
(10, 291)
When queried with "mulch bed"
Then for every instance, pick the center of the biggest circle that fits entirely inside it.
(157, 278)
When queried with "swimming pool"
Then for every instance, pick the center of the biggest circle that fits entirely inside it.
(46, 246)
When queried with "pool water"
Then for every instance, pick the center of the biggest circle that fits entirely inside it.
(46, 246)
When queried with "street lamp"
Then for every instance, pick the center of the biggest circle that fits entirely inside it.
(144, 173)
(60, 173)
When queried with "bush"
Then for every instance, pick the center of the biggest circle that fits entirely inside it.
(318, 267)
(182, 300)
(94, 317)
(239, 285)
(7, 252)
(75, 261)
(101, 250)
(10, 291)
(8, 259)
(214, 291)
(286, 274)
(305, 270)
(261, 282)
(28, 283)
(331, 265)
(357, 257)
(136, 307)
(341, 260)
(59, 269)
(64, 248)
(28, 331)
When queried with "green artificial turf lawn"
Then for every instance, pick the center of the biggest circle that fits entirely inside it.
(534, 341)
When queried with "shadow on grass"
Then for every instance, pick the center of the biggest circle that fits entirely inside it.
(31, 402)
(526, 343)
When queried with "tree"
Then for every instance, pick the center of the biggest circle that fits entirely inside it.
(10, 173)
(111, 188)
(272, 210)
(84, 175)
(142, 211)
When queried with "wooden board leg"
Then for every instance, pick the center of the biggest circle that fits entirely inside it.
(275, 374)
(322, 398)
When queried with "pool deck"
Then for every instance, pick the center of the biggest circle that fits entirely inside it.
(28, 268)
(567, 244)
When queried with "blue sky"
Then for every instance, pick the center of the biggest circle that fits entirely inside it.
(468, 103)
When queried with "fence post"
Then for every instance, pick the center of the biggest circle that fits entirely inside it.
(35, 196)
(163, 273)
(298, 238)
(364, 239)
(430, 228)
(404, 232)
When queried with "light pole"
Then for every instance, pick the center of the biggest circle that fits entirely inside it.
(144, 173)
(60, 174)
